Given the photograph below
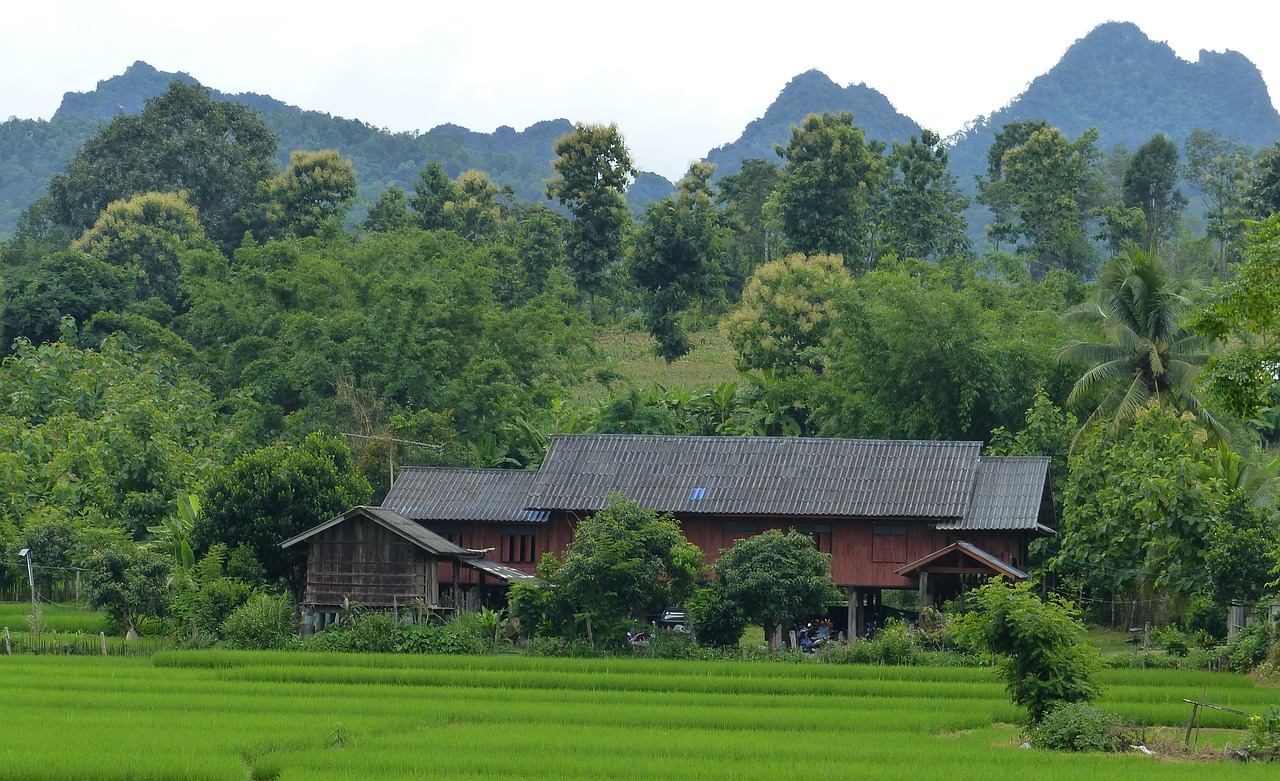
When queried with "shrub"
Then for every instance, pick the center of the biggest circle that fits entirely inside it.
(448, 639)
(1248, 648)
(718, 620)
(1078, 726)
(1044, 657)
(554, 645)
(1264, 735)
(264, 622)
(669, 644)
(1175, 641)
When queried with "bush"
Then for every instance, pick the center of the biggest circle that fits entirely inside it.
(669, 644)
(1078, 726)
(717, 620)
(1264, 735)
(448, 639)
(1175, 641)
(1248, 648)
(554, 645)
(264, 622)
(359, 631)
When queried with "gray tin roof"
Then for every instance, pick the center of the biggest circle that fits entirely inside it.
(413, 532)
(448, 494)
(759, 475)
(1007, 492)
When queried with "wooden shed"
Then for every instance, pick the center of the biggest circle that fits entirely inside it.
(376, 558)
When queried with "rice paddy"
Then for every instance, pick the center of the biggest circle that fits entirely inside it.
(230, 715)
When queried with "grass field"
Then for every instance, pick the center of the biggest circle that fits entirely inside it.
(227, 715)
(631, 356)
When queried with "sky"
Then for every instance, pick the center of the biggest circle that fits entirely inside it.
(679, 78)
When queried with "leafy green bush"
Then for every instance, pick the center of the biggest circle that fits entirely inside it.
(1078, 726)
(1264, 735)
(718, 620)
(264, 622)
(1248, 648)
(1175, 641)
(448, 639)
(1044, 657)
(553, 645)
(669, 644)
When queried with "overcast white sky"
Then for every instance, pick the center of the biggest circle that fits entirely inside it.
(678, 77)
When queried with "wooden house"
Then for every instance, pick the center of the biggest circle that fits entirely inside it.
(377, 558)
(892, 514)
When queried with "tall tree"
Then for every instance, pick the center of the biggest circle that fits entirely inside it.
(146, 235)
(776, 579)
(183, 140)
(924, 214)
(1245, 313)
(1146, 354)
(1150, 184)
(831, 183)
(676, 258)
(1219, 168)
(745, 197)
(1262, 194)
(1042, 188)
(593, 168)
(315, 188)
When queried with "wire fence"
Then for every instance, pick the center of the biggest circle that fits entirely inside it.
(22, 642)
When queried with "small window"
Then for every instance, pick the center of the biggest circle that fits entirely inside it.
(820, 533)
(889, 543)
(519, 545)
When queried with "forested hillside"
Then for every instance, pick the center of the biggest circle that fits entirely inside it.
(1129, 87)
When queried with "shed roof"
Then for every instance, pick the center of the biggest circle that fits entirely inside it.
(415, 533)
(966, 550)
(759, 475)
(1007, 494)
(449, 494)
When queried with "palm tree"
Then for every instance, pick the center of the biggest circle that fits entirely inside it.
(1146, 354)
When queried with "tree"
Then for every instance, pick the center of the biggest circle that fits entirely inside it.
(776, 579)
(1262, 194)
(676, 259)
(147, 235)
(271, 494)
(745, 197)
(108, 437)
(1041, 188)
(183, 140)
(1138, 506)
(831, 182)
(912, 357)
(593, 169)
(1150, 184)
(316, 188)
(62, 284)
(390, 212)
(1246, 313)
(1147, 353)
(1045, 659)
(1219, 168)
(786, 314)
(623, 561)
(432, 192)
(127, 580)
(923, 215)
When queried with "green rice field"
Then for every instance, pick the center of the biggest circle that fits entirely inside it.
(232, 715)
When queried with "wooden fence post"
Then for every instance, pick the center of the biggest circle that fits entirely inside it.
(102, 638)
(8, 645)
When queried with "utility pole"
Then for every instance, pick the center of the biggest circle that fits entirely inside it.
(35, 603)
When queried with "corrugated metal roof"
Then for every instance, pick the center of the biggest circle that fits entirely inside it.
(449, 494)
(1006, 495)
(759, 475)
(413, 532)
(973, 552)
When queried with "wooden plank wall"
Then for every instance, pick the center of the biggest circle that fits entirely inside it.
(364, 563)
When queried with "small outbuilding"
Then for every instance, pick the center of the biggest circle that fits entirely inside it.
(377, 558)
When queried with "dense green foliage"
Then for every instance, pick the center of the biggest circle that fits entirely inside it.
(624, 562)
(1044, 657)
